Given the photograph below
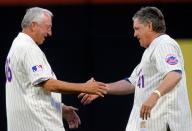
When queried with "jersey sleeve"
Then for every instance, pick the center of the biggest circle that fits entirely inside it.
(167, 58)
(133, 77)
(37, 67)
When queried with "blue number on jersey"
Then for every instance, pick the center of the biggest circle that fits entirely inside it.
(140, 82)
(8, 72)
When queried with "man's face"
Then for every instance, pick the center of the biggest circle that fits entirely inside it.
(142, 32)
(43, 29)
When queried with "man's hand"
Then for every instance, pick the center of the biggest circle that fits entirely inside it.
(71, 116)
(96, 88)
(87, 98)
(147, 106)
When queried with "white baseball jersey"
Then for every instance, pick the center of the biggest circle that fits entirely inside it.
(173, 110)
(29, 107)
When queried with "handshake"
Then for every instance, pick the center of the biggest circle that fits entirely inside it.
(95, 87)
(92, 91)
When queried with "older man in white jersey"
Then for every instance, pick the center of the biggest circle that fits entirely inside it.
(33, 99)
(161, 100)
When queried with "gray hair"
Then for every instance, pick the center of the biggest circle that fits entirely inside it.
(34, 14)
(153, 15)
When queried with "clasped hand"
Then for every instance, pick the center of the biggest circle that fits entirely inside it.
(95, 87)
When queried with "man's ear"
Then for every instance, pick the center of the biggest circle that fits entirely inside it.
(33, 26)
(150, 26)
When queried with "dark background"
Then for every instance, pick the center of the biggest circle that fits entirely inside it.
(92, 40)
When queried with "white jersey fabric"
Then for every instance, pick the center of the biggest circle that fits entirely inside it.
(29, 107)
(173, 110)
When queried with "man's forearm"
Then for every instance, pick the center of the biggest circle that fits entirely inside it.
(169, 82)
(62, 87)
(121, 87)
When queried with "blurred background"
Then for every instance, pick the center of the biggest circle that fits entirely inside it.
(94, 38)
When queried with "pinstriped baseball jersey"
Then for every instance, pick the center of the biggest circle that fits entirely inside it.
(162, 56)
(29, 107)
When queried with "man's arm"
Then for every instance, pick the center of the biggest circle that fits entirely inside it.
(93, 87)
(122, 87)
(167, 84)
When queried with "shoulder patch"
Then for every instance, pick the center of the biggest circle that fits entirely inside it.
(171, 59)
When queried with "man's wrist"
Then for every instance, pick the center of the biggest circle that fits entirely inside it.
(157, 92)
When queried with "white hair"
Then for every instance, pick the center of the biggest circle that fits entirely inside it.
(34, 14)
